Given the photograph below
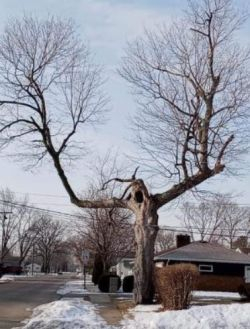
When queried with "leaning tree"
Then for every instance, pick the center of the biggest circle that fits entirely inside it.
(192, 83)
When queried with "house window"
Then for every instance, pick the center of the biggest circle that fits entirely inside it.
(206, 268)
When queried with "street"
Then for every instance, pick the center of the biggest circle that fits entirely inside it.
(19, 297)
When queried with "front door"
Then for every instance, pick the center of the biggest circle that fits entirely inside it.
(247, 274)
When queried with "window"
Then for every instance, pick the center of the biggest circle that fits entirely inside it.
(206, 268)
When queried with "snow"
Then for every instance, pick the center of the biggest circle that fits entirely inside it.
(7, 278)
(216, 295)
(72, 287)
(206, 317)
(66, 314)
(74, 313)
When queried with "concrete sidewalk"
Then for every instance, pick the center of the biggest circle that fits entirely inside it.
(107, 304)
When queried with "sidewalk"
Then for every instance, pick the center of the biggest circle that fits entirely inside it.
(107, 304)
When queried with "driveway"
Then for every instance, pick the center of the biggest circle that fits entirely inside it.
(19, 297)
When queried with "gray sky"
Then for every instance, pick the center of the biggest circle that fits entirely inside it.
(106, 25)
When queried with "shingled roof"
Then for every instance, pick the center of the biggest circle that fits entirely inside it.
(208, 252)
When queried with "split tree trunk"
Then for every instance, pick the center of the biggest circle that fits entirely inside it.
(146, 228)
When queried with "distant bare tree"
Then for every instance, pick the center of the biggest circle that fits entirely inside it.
(17, 228)
(108, 234)
(218, 220)
(8, 222)
(165, 240)
(49, 238)
(205, 221)
(26, 232)
(192, 82)
(77, 245)
(235, 223)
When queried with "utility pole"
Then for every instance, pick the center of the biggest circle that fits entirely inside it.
(3, 231)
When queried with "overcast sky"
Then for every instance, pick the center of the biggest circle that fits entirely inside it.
(106, 26)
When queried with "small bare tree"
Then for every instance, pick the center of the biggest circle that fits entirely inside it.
(193, 86)
(16, 225)
(165, 240)
(77, 244)
(108, 234)
(48, 241)
(235, 222)
(26, 232)
(218, 219)
(205, 221)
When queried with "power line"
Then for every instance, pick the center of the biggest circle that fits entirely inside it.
(178, 229)
(15, 204)
(43, 195)
(66, 197)
(195, 228)
(223, 235)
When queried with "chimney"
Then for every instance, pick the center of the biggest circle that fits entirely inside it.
(182, 240)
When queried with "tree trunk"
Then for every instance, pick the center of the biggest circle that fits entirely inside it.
(146, 228)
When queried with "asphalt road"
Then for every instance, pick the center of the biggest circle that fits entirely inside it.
(19, 297)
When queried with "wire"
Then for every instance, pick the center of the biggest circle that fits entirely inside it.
(43, 195)
(39, 209)
(66, 197)
(205, 234)
(178, 229)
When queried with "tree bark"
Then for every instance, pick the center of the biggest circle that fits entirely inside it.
(146, 228)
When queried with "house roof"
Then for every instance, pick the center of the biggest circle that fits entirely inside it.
(204, 252)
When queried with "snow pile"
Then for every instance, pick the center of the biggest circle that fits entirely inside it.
(65, 314)
(206, 317)
(72, 287)
(7, 278)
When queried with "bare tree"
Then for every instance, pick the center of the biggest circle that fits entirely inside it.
(205, 221)
(17, 225)
(235, 222)
(26, 232)
(8, 223)
(219, 220)
(77, 245)
(192, 81)
(109, 234)
(48, 240)
(165, 240)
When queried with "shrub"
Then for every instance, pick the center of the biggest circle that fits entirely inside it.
(174, 284)
(128, 283)
(104, 282)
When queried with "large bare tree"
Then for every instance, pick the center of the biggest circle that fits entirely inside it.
(192, 81)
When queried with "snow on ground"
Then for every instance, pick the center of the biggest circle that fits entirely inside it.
(7, 278)
(72, 287)
(216, 295)
(233, 316)
(72, 313)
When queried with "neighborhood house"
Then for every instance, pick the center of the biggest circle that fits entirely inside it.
(221, 269)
